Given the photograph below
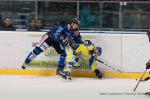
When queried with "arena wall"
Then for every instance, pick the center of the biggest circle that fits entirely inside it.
(125, 51)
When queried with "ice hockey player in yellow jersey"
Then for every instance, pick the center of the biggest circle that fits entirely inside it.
(87, 52)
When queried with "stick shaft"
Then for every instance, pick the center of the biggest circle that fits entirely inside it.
(140, 80)
(108, 65)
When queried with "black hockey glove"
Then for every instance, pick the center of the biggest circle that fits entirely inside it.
(148, 65)
(65, 41)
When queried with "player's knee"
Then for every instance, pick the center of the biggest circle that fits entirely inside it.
(37, 50)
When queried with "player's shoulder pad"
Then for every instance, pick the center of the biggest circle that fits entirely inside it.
(60, 29)
(68, 26)
(56, 29)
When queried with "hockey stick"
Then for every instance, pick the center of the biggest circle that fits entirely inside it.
(108, 65)
(146, 79)
(140, 80)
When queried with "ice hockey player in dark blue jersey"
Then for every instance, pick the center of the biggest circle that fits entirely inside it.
(74, 37)
(57, 37)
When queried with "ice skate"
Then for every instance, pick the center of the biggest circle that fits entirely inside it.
(98, 74)
(24, 66)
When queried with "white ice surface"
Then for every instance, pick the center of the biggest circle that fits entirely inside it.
(45, 87)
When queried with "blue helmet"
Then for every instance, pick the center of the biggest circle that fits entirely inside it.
(99, 50)
(75, 20)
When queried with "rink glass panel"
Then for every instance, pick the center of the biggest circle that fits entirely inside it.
(21, 12)
(89, 14)
(54, 12)
(99, 15)
(110, 15)
(136, 15)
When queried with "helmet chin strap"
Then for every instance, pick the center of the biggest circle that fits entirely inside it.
(73, 25)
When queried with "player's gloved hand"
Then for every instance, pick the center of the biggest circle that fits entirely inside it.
(148, 65)
(65, 41)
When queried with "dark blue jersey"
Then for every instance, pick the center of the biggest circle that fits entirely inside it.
(75, 35)
(59, 33)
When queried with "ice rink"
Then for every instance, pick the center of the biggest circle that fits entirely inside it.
(45, 87)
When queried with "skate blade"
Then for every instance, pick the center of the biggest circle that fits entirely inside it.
(64, 79)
